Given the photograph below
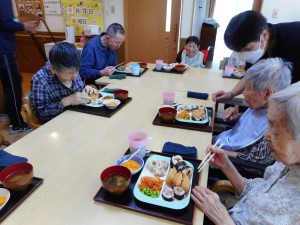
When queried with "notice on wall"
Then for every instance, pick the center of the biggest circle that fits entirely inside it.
(52, 7)
(30, 7)
(78, 13)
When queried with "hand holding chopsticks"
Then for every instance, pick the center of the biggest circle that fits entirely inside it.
(208, 157)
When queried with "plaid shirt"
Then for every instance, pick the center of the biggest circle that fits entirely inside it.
(47, 91)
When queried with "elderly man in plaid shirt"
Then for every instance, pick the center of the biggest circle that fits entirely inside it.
(58, 85)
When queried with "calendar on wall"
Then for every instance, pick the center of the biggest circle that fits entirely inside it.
(78, 13)
(35, 7)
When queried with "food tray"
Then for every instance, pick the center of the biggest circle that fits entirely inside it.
(160, 201)
(17, 197)
(129, 72)
(205, 127)
(233, 76)
(128, 201)
(190, 109)
(171, 71)
(99, 111)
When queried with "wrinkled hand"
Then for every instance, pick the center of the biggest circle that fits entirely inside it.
(222, 95)
(30, 26)
(76, 99)
(220, 158)
(107, 71)
(210, 204)
(89, 90)
(230, 114)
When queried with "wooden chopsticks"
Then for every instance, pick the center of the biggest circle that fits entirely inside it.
(209, 156)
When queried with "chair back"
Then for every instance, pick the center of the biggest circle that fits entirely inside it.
(28, 114)
(205, 54)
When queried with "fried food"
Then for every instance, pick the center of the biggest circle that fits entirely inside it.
(185, 184)
(198, 113)
(184, 115)
(177, 179)
(170, 176)
(94, 96)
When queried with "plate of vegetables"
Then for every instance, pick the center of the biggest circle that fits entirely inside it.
(192, 114)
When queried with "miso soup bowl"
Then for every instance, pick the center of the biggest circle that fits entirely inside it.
(17, 176)
(115, 189)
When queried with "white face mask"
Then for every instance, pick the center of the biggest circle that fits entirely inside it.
(252, 56)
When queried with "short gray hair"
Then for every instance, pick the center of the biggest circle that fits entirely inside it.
(273, 73)
(288, 101)
(115, 28)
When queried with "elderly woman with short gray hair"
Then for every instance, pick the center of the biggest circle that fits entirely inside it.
(275, 198)
(245, 139)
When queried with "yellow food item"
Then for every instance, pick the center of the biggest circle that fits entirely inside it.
(2, 200)
(107, 97)
(184, 115)
(131, 165)
(111, 104)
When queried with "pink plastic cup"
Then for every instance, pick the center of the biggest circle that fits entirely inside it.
(138, 140)
(169, 98)
(159, 64)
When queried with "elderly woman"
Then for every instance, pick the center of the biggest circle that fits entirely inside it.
(275, 198)
(191, 54)
(245, 139)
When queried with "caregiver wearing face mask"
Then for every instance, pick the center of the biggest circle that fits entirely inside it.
(249, 34)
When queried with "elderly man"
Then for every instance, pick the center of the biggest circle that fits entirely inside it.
(275, 198)
(99, 54)
(245, 138)
(58, 85)
(249, 34)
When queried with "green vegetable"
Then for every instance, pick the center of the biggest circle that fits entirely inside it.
(150, 193)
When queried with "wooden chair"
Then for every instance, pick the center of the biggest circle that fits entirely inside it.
(28, 114)
(3, 141)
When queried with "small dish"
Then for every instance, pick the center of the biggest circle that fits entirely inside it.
(135, 158)
(112, 103)
(4, 197)
(167, 68)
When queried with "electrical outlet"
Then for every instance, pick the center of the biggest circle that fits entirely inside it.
(112, 9)
(275, 13)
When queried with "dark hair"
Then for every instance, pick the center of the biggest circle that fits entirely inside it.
(243, 29)
(64, 55)
(115, 28)
(193, 39)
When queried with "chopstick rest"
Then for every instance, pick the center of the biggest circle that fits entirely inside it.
(199, 95)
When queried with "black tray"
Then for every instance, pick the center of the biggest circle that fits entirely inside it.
(99, 111)
(130, 74)
(17, 197)
(205, 127)
(171, 71)
(128, 201)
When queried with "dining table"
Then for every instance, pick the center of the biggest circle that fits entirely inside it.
(70, 151)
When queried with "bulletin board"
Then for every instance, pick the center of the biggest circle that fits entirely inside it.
(78, 13)
(30, 7)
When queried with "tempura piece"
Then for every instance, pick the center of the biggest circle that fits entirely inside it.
(170, 176)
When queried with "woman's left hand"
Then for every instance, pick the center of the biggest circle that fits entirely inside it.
(210, 204)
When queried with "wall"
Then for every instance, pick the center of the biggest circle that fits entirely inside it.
(288, 10)
(55, 22)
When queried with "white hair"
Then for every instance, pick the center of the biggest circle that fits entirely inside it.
(288, 101)
(273, 73)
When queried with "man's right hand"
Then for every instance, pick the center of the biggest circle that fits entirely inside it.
(30, 26)
(107, 71)
(76, 99)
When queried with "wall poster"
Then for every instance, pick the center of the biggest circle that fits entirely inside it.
(30, 7)
(52, 7)
(78, 13)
